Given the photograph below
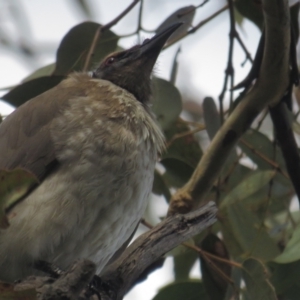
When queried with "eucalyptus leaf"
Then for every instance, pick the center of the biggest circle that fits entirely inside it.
(183, 264)
(30, 89)
(215, 285)
(253, 183)
(261, 144)
(284, 276)
(185, 148)
(257, 283)
(292, 250)
(160, 187)
(187, 290)
(246, 231)
(177, 172)
(252, 10)
(167, 104)
(41, 72)
(73, 50)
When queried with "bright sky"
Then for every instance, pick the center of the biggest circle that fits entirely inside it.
(202, 60)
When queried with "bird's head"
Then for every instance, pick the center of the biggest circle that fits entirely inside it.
(131, 69)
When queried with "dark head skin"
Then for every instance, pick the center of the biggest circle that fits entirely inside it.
(131, 69)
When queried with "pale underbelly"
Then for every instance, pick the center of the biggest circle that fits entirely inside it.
(81, 216)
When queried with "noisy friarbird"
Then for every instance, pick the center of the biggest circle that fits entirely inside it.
(93, 142)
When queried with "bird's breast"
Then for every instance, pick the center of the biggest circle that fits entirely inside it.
(107, 150)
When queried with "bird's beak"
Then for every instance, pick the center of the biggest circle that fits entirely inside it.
(150, 49)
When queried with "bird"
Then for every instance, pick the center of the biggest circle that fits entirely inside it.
(92, 142)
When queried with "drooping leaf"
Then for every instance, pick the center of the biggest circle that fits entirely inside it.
(186, 15)
(167, 103)
(185, 148)
(291, 252)
(256, 181)
(214, 283)
(251, 10)
(183, 264)
(258, 147)
(175, 67)
(74, 47)
(244, 228)
(284, 276)
(211, 117)
(239, 18)
(32, 88)
(257, 283)
(41, 72)
(188, 290)
(177, 172)
(13, 185)
(294, 12)
(160, 187)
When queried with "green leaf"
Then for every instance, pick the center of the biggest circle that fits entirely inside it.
(258, 286)
(294, 12)
(253, 183)
(175, 67)
(211, 117)
(244, 228)
(183, 264)
(259, 149)
(41, 72)
(31, 89)
(167, 103)
(187, 290)
(74, 47)
(13, 185)
(284, 276)
(239, 19)
(251, 10)
(215, 285)
(177, 172)
(186, 148)
(160, 187)
(292, 250)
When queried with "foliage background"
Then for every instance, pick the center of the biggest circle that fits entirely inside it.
(255, 197)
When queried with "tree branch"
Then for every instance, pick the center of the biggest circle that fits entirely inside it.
(269, 88)
(149, 247)
(123, 273)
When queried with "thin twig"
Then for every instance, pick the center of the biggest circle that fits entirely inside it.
(274, 164)
(212, 256)
(248, 55)
(229, 72)
(150, 246)
(101, 29)
(184, 134)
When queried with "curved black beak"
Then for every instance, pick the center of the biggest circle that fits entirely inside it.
(152, 47)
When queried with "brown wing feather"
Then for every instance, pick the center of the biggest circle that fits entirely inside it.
(25, 138)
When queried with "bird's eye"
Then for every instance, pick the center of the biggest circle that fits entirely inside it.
(110, 60)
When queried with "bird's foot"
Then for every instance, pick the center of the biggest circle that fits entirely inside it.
(49, 268)
(96, 285)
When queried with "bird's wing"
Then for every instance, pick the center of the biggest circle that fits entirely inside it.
(25, 137)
